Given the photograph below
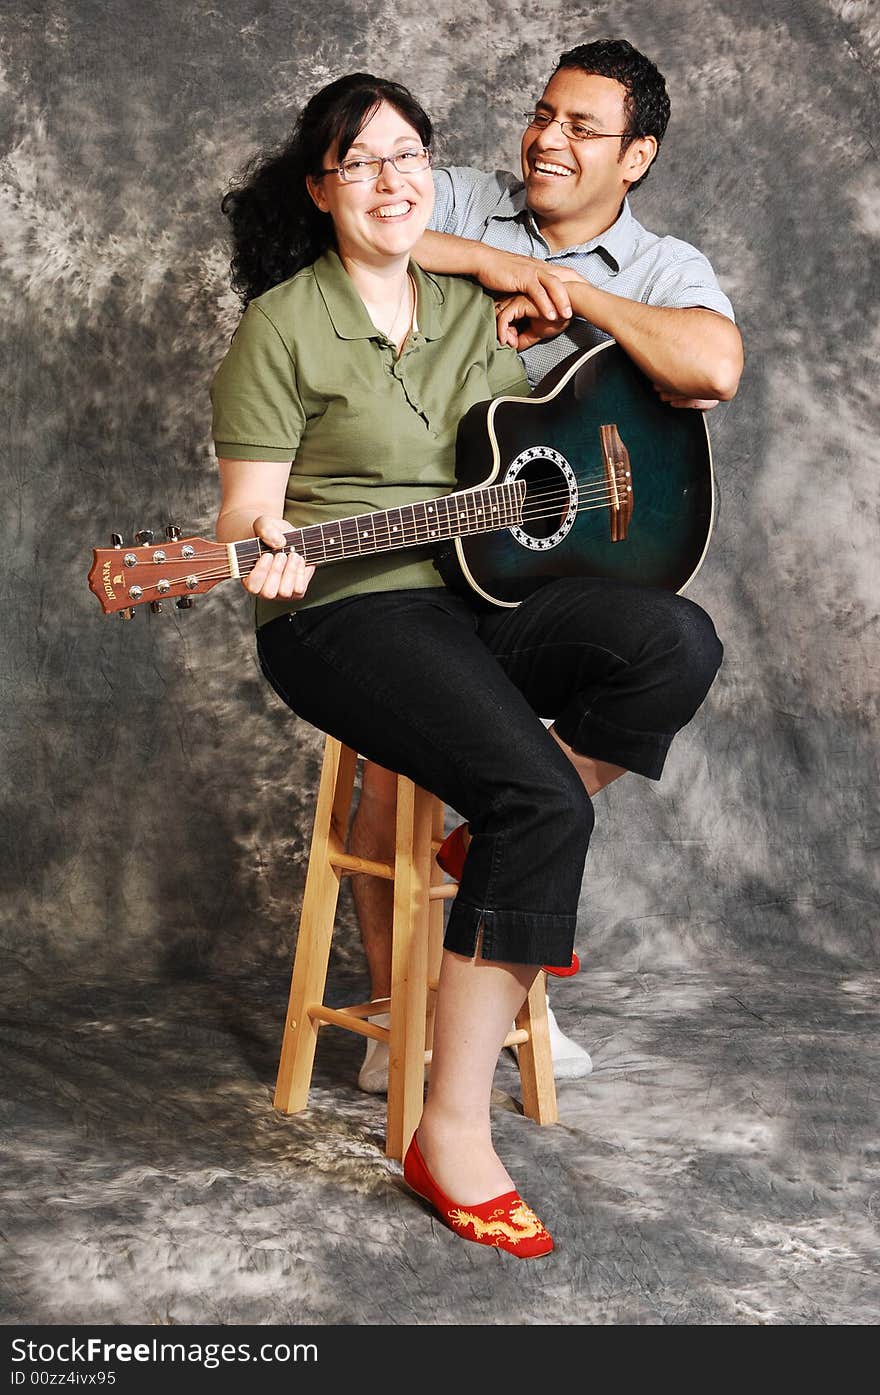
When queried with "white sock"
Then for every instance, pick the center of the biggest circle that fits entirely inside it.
(570, 1060)
(373, 1074)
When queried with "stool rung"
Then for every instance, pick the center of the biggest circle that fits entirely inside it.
(338, 1017)
(347, 862)
(350, 1019)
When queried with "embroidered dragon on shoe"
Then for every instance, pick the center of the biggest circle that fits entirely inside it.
(514, 1223)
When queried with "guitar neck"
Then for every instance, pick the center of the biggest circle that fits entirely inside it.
(456, 515)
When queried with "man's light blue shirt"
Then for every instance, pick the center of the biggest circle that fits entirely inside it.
(625, 260)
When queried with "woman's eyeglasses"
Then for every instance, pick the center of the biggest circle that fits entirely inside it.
(363, 167)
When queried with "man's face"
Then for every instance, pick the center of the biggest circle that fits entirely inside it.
(570, 183)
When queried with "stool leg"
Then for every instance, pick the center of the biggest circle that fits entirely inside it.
(435, 925)
(535, 1059)
(315, 933)
(409, 966)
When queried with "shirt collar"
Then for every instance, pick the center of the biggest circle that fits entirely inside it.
(614, 242)
(347, 311)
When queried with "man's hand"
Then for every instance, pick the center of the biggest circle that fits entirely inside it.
(543, 285)
(520, 324)
(700, 404)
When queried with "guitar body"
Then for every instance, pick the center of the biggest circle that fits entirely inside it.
(567, 522)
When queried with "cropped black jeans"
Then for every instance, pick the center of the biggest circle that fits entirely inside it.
(452, 697)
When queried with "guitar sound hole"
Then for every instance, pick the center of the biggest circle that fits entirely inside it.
(547, 498)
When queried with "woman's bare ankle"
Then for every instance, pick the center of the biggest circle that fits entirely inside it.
(462, 1160)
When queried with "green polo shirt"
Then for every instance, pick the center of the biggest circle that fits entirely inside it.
(308, 378)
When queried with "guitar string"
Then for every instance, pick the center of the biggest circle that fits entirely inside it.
(596, 489)
(221, 573)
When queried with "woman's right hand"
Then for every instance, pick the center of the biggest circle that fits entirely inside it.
(278, 575)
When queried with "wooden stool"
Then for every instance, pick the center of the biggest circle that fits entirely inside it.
(417, 943)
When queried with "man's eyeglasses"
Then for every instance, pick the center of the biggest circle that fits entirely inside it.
(575, 130)
(363, 167)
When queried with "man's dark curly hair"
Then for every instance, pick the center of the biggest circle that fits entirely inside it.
(276, 227)
(646, 103)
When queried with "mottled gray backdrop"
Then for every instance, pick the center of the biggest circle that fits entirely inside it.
(158, 796)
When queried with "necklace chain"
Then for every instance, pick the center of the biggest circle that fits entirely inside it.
(404, 294)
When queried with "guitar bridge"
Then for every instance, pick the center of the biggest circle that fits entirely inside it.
(618, 479)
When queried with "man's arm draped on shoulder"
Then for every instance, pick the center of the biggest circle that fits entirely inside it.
(690, 354)
(498, 271)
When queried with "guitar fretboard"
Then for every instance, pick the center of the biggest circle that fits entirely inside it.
(434, 520)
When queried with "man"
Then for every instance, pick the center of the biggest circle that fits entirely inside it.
(574, 268)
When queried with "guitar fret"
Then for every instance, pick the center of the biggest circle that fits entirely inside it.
(312, 539)
(408, 525)
(509, 513)
(331, 541)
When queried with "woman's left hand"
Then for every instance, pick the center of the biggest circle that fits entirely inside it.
(520, 325)
(278, 575)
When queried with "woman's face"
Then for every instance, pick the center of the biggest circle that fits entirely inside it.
(377, 221)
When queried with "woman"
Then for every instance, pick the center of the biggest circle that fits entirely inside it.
(341, 394)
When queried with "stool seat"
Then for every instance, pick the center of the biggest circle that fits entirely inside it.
(416, 948)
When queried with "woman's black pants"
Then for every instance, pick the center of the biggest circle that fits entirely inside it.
(452, 697)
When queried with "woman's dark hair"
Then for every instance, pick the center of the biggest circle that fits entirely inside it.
(276, 228)
(646, 103)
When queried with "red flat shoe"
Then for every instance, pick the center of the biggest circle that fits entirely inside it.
(451, 855)
(505, 1223)
(452, 852)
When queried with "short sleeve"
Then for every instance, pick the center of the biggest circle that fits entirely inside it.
(444, 202)
(688, 282)
(257, 412)
(466, 200)
(507, 377)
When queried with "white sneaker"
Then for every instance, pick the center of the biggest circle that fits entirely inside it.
(570, 1060)
(373, 1075)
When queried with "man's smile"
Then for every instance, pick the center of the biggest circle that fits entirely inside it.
(550, 167)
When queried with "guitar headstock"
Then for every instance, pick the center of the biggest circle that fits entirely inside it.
(149, 573)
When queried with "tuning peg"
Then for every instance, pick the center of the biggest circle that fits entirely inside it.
(184, 602)
(117, 540)
(155, 607)
(145, 536)
(172, 532)
(127, 614)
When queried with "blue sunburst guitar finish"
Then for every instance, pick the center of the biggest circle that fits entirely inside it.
(577, 518)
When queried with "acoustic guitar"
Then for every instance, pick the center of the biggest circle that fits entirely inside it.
(591, 475)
